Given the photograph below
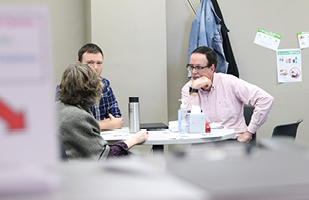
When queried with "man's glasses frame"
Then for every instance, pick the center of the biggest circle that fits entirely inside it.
(190, 67)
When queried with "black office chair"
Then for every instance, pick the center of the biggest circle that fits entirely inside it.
(288, 130)
(248, 111)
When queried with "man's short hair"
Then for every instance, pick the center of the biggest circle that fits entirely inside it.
(210, 55)
(80, 85)
(89, 48)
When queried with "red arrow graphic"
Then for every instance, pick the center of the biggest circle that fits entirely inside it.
(14, 120)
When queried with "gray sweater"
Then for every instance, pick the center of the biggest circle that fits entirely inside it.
(80, 133)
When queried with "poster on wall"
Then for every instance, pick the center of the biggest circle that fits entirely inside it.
(267, 39)
(289, 65)
(26, 87)
(303, 39)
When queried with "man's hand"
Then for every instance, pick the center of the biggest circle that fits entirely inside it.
(201, 82)
(111, 123)
(245, 137)
(115, 122)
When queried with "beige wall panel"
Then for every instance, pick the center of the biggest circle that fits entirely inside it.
(132, 35)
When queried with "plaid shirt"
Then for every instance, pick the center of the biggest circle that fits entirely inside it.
(108, 103)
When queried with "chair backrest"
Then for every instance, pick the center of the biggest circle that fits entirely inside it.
(248, 111)
(289, 130)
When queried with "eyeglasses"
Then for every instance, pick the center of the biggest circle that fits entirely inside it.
(197, 68)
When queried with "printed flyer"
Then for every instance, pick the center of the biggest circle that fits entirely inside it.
(267, 39)
(303, 39)
(289, 65)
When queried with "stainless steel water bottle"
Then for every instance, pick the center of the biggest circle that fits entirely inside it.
(134, 125)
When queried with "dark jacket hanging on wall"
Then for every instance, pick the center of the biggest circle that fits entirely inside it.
(232, 67)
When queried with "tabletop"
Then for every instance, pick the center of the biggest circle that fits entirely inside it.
(165, 137)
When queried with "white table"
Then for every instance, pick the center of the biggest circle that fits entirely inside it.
(165, 137)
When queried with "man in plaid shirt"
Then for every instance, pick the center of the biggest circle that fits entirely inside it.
(107, 112)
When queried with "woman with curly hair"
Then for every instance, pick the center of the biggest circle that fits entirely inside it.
(80, 88)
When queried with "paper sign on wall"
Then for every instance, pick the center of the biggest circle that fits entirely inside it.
(289, 65)
(28, 131)
(267, 39)
(303, 39)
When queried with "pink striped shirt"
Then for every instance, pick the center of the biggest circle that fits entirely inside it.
(223, 104)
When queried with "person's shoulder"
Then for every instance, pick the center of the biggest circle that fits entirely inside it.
(105, 81)
(226, 77)
(72, 114)
(219, 74)
(64, 108)
(60, 105)
(68, 109)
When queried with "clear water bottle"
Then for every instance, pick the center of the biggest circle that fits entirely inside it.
(134, 124)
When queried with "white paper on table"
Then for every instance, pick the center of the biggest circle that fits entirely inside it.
(115, 136)
(215, 126)
(162, 135)
(198, 135)
(123, 134)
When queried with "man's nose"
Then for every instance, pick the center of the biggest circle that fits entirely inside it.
(95, 66)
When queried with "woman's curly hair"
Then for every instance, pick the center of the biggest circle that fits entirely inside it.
(80, 85)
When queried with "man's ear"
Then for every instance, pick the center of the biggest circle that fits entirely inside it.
(213, 67)
(78, 62)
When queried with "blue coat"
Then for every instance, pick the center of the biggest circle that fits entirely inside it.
(206, 31)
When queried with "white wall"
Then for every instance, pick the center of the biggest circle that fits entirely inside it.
(132, 35)
(179, 17)
(256, 64)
